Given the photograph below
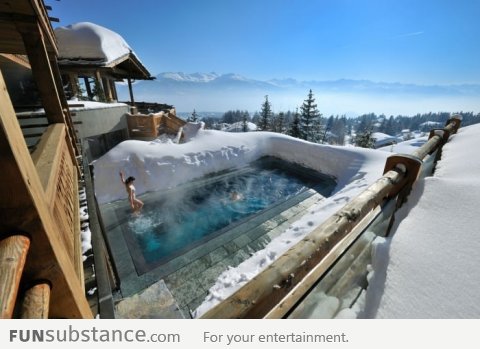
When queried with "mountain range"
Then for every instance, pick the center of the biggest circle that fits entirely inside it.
(221, 92)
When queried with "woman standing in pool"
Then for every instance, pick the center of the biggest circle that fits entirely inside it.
(135, 203)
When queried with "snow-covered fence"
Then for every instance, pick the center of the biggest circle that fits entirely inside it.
(277, 289)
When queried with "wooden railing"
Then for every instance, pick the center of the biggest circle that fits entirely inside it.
(274, 291)
(58, 174)
(41, 202)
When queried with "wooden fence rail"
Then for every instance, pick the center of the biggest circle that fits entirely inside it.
(273, 292)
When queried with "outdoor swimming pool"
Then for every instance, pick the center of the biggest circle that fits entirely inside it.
(186, 217)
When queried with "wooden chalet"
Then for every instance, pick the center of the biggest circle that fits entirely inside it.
(41, 272)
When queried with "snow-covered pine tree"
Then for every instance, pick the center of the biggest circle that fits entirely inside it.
(265, 115)
(294, 130)
(310, 124)
(365, 139)
(280, 122)
(193, 117)
(244, 122)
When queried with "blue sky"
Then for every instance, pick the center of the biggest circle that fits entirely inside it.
(421, 42)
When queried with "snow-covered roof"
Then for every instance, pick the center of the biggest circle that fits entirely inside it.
(382, 139)
(90, 42)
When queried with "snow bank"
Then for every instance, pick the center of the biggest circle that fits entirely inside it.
(158, 166)
(429, 268)
(90, 42)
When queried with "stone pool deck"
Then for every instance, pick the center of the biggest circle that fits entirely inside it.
(185, 281)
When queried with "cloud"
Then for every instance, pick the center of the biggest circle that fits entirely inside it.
(406, 35)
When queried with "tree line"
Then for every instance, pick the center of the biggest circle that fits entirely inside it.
(309, 124)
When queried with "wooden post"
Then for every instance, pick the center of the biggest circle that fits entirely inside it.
(13, 253)
(114, 90)
(101, 88)
(456, 120)
(86, 80)
(130, 89)
(73, 79)
(23, 206)
(36, 302)
(108, 90)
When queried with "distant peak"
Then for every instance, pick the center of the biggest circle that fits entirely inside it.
(194, 77)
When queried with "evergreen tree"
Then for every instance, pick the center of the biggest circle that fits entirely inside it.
(310, 124)
(390, 127)
(328, 128)
(244, 122)
(265, 115)
(256, 118)
(365, 139)
(294, 130)
(194, 117)
(280, 122)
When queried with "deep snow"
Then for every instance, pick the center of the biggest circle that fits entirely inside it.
(429, 267)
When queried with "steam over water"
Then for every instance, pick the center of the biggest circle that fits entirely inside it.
(183, 218)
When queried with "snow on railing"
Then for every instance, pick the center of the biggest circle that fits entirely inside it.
(278, 288)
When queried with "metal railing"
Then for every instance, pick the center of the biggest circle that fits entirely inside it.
(274, 291)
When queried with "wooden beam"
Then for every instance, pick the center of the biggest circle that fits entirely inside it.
(42, 73)
(74, 151)
(19, 59)
(130, 89)
(108, 90)
(114, 90)
(36, 302)
(13, 253)
(45, 160)
(23, 206)
(86, 80)
(73, 79)
(101, 88)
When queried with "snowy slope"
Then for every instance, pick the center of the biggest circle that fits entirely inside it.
(429, 268)
(158, 166)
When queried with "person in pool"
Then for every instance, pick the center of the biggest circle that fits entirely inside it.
(135, 203)
(235, 196)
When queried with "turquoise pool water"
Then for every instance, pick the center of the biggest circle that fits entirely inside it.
(173, 222)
